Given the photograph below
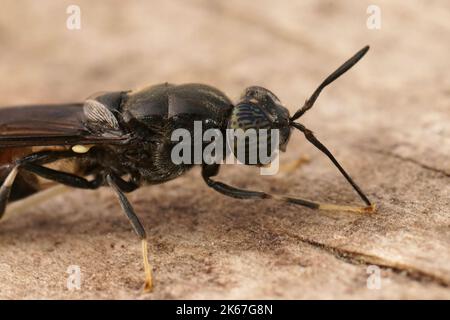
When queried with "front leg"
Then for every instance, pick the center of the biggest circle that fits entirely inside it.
(209, 171)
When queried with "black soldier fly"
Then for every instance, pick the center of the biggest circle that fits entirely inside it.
(122, 140)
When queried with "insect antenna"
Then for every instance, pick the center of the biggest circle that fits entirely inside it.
(312, 138)
(336, 74)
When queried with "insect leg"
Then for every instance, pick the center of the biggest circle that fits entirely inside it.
(5, 189)
(65, 178)
(47, 173)
(209, 171)
(126, 186)
(112, 180)
(38, 157)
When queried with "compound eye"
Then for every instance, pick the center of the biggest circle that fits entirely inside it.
(255, 133)
(248, 115)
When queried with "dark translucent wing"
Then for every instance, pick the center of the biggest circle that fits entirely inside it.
(47, 125)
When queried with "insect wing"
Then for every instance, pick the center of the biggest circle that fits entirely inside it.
(48, 125)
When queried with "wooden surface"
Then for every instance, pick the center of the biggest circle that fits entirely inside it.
(387, 121)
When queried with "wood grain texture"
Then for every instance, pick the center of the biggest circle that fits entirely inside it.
(387, 121)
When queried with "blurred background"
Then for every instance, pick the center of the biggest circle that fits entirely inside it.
(387, 120)
(287, 46)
